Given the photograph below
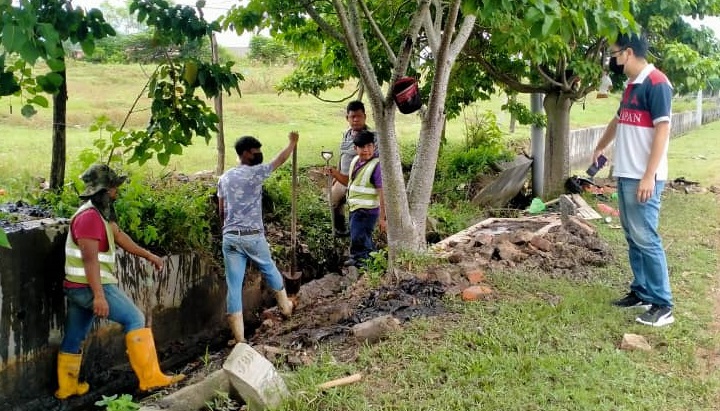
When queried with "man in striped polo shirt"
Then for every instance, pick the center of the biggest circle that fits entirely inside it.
(641, 130)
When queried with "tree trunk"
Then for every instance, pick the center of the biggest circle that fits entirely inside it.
(220, 167)
(557, 148)
(401, 230)
(59, 139)
(422, 175)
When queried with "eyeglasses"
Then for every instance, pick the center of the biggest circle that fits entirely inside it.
(616, 52)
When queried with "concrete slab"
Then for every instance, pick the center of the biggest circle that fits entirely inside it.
(193, 397)
(255, 379)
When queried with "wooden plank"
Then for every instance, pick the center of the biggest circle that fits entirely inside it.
(584, 210)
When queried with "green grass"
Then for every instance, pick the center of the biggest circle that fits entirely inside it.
(521, 352)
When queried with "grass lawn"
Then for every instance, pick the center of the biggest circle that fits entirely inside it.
(522, 352)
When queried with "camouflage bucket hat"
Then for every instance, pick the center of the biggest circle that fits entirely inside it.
(99, 177)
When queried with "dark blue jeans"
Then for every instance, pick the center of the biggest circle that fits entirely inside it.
(362, 225)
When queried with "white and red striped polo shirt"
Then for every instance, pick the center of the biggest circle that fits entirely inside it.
(646, 102)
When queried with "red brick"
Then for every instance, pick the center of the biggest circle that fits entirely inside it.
(475, 276)
(476, 292)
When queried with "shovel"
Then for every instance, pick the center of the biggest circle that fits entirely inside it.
(327, 155)
(294, 274)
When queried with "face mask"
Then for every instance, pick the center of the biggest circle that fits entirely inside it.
(616, 68)
(257, 159)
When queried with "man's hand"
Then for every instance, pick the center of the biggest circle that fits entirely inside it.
(382, 224)
(156, 261)
(100, 306)
(293, 136)
(646, 188)
(596, 154)
(330, 171)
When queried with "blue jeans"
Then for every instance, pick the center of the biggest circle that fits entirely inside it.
(236, 252)
(362, 225)
(80, 314)
(645, 249)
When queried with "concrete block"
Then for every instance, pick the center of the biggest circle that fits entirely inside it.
(193, 397)
(255, 378)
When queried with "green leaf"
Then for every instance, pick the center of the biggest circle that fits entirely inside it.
(40, 101)
(13, 37)
(28, 110)
(4, 242)
(88, 46)
(163, 158)
(55, 79)
(56, 64)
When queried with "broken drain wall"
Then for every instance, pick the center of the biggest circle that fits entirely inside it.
(184, 304)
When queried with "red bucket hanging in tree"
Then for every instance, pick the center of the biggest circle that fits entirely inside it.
(407, 95)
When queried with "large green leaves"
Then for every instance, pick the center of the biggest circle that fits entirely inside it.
(35, 30)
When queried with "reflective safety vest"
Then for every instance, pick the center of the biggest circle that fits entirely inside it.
(74, 268)
(361, 192)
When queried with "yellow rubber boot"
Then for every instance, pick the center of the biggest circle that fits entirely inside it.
(68, 369)
(143, 359)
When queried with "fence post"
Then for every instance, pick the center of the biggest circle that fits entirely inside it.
(699, 107)
(537, 135)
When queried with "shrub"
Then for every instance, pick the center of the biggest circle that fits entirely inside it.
(268, 50)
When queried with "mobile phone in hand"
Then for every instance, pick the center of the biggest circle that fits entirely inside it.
(593, 169)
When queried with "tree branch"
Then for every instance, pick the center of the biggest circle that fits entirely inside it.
(432, 32)
(462, 36)
(357, 47)
(509, 80)
(547, 77)
(403, 60)
(324, 25)
(378, 33)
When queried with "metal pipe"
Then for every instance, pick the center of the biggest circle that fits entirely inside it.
(537, 135)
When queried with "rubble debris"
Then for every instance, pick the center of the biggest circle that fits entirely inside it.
(680, 184)
(542, 242)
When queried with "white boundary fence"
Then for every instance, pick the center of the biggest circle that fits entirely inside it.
(583, 141)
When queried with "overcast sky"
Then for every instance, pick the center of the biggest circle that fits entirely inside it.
(216, 8)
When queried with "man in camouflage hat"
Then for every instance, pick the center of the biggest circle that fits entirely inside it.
(92, 289)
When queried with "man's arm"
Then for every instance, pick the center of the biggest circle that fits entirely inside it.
(127, 244)
(337, 175)
(89, 249)
(607, 137)
(221, 209)
(659, 143)
(282, 156)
